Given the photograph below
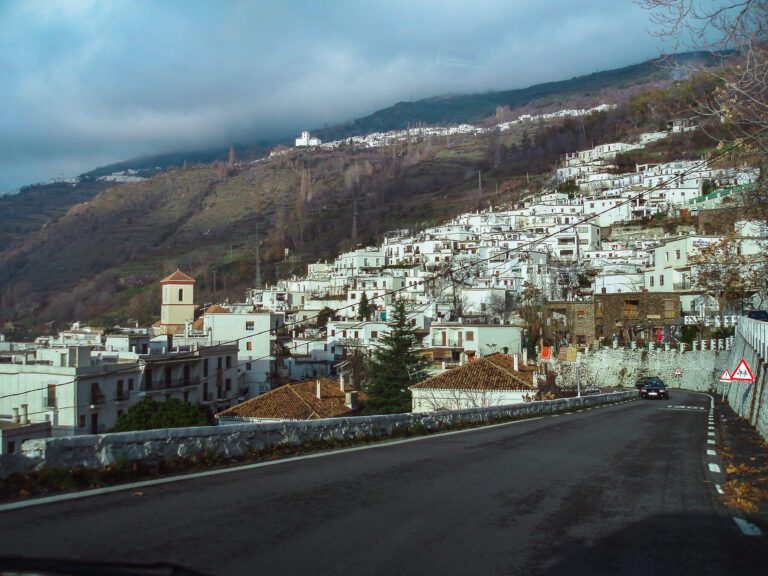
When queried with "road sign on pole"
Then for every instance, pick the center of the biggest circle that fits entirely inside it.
(742, 373)
(725, 376)
(678, 373)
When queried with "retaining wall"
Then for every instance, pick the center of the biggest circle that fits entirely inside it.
(748, 399)
(623, 366)
(237, 440)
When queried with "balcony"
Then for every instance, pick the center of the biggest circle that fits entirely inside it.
(448, 342)
(49, 401)
(173, 384)
(97, 398)
(685, 285)
(123, 396)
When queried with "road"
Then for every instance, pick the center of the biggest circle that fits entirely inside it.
(623, 489)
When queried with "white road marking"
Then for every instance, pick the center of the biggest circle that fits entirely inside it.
(710, 433)
(710, 441)
(195, 475)
(719, 490)
(711, 453)
(747, 528)
(714, 468)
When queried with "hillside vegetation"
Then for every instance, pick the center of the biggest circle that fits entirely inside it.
(99, 260)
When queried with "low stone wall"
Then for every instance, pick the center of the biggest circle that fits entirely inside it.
(238, 440)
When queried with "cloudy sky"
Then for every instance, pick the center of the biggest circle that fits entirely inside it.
(84, 83)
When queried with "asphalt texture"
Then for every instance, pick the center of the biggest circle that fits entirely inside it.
(623, 489)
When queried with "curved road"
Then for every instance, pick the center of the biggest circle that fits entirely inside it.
(623, 489)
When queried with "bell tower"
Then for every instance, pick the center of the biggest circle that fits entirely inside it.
(178, 302)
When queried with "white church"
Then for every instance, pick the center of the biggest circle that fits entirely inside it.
(306, 140)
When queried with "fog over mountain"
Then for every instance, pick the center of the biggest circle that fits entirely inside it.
(87, 83)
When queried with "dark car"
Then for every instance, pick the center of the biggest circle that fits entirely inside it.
(655, 391)
(761, 315)
(645, 380)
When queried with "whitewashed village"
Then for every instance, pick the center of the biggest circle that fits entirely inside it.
(496, 297)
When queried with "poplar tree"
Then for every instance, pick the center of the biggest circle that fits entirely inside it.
(364, 309)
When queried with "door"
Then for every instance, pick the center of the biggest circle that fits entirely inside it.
(94, 423)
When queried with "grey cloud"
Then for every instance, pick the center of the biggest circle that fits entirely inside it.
(93, 82)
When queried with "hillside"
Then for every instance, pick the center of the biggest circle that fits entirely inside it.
(99, 259)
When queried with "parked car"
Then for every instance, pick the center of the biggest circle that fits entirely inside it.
(645, 380)
(761, 315)
(654, 390)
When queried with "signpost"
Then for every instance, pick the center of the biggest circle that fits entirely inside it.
(725, 378)
(742, 373)
(678, 375)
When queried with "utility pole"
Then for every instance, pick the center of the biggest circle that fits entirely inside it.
(258, 257)
(354, 223)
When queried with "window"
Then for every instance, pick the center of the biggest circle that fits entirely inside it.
(356, 334)
(229, 361)
(130, 384)
(670, 309)
(651, 280)
(470, 336)
(661, 280)
(666, 255)
(51, 399)
(333, 333)
(181, 294)
(218, 363)
(248, 366)
(598, 309)
(228, 384)
(343, 333)
(205, 367)
(11, 447)
(374, 333)
(249, 345)
(632, 309)
(81, 421)
(677, 254)
(249, 325)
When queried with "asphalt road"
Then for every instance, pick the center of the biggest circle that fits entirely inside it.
(623, 489)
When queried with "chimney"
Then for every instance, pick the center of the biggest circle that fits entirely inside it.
(16, 417)
(318, 390)
(351, 401)
(25, 413)
(342, 383)
(515, 358)
(525, 356)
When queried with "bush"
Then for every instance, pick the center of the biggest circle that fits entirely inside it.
(150, 415)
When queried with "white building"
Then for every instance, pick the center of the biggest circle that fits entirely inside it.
(306, 140)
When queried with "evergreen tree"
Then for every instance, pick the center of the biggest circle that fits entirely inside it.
(364, 309)
(393, 367)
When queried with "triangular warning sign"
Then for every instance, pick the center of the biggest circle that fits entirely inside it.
(725, 376)
(742, 373)
(678, 372)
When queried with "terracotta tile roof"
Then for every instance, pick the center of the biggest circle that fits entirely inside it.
(212, 309)
(494, 372)
(178, 276)
(296, 401)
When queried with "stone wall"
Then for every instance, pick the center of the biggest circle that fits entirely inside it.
(623, 366)
(237, 440)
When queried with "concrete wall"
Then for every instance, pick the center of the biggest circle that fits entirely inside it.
(238, 440)
(749, 399)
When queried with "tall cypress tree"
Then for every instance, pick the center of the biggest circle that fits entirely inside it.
(394, 366)
(364, 309)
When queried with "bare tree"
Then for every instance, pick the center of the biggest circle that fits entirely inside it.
(739, 103)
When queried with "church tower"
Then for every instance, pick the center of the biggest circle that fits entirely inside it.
(178, 302)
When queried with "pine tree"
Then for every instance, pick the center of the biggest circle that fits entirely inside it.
(393, 367)
(364, 309)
